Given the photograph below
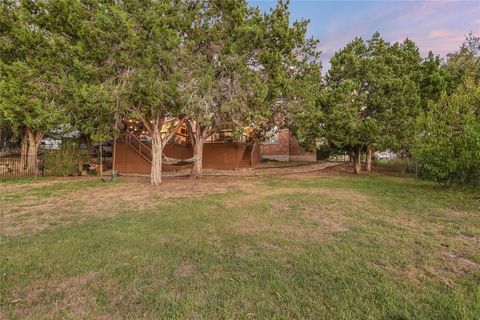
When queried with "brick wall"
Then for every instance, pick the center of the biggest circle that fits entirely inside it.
(287, 149)
(297, 153)
(277, 151)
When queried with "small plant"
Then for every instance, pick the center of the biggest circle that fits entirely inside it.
(63, 162)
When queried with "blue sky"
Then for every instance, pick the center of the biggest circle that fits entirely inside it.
(436, 25)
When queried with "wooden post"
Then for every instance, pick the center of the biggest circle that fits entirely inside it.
(101, 160)
(114, 157)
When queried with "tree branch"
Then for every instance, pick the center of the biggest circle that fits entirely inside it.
(190, 132)
(172, 131)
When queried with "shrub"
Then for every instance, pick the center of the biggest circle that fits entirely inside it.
(63, 162)
(447, 146)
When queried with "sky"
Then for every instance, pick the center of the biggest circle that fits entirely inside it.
(436, 25)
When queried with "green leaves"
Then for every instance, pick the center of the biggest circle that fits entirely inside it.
(287, 68)
(374, 94)
(448, 138)
(243, 68)
(31, 70)
(447, 142)
(220, 62)
(464, 63)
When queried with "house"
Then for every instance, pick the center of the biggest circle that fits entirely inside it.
(283, 146)
(132, 151)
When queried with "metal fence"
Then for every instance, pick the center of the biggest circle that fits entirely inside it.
(12, 167)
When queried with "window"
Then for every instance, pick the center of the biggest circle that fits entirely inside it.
(272, 136)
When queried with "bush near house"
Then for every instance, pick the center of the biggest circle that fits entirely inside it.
(63, 162)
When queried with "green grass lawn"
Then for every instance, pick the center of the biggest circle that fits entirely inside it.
(310, 247)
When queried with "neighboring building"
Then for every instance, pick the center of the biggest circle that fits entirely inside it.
(385, 155)
(283, 146)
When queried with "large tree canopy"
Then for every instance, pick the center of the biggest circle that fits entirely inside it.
(215, 63)
(33, 69)
(373, 96)
(245, 70)
(285, 60)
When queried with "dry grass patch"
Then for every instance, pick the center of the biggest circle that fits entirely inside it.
(38, 183)
(33, 212)
(454, 262)
(70, 298)
(185, 269)
(297, 213)
(457, 214)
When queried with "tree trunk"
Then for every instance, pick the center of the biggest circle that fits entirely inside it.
(198, 141)
(356, 159)
(23, 151)
(368, 160)
(155, 128)
(157, 153)
(31, 152)
(197, 169)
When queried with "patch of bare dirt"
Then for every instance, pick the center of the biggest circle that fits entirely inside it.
(415, 275)
(347, 168)
(457, 263)
(184, 270)
(446, 266)
(457, 214)
(305, 168)
(470, 239)
(33, 212)
(452, 265)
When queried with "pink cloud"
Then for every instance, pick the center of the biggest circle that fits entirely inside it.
(438, 26)
(441, 41)
(445, 34)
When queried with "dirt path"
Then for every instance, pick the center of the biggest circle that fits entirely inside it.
(260, 172)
